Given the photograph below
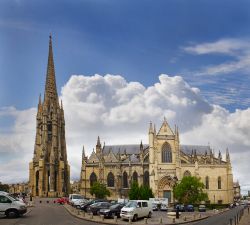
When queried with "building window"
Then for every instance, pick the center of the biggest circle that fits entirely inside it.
(92, 178)
(207, 183)
(146, 178)
(166, 153)
(219, 182)
(125, 179)
(111, 180)
(187, 174)
(135, 177)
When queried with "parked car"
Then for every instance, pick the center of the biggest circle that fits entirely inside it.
(112, 211)
(136, 209)
(85, 205)
(180, 207)
(202, 208)
(154, 206)
(189, 208)
(96, 207)
(10, 206)
(76, 200)
(62, 201)
(164, 207)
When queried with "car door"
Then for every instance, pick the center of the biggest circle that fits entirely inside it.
(5, 203)
(139, 209)
(145, 209)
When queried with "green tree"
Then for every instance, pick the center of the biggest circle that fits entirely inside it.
(134, 191)
(142, 192)
(190, 191)
(99, 190)
(146, 192)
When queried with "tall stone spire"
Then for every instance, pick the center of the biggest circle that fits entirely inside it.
(50, 85)
(49, 169)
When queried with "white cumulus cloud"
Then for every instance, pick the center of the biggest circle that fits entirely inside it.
(119, 112)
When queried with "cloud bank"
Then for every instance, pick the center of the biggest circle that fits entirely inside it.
(119, 112)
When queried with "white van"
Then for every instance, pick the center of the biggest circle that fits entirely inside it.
(10, 206)
(76, 200)
(136, 209)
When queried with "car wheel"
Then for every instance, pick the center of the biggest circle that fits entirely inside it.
(135, 217)
(12, 213)
(113, 215)
(149, 215)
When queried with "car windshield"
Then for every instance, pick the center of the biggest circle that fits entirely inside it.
(96, 204)
(77, 197)
(114, 206)
(131, 204)
(12, 198)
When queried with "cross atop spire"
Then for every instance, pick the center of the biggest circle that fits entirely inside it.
(50, 86)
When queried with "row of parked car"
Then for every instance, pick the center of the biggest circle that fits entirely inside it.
(132, 210)
(181, 208)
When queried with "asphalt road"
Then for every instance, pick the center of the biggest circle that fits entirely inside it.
(221, 219)
(45, 214)
(53, 214)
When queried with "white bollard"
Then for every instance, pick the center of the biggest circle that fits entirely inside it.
(160, 220)
(102, 217)
(145, 220)
(91, 216)
(129, 221)
(115, 219)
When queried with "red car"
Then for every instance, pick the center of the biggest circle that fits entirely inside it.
(62, 200)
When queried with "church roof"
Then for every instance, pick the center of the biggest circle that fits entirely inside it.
(128, 149)
(135, 149)
(200, 149)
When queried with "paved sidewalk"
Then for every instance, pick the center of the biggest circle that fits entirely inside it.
(245, 220)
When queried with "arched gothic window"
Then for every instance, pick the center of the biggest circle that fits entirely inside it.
(125, 179)
(207, 183)
(187, 173)
(135, 177)
(219, 182)
(146, 178)
(111, 180)
(166, 153)
(92, 178)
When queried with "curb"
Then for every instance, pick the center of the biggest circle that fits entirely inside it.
(109, 222)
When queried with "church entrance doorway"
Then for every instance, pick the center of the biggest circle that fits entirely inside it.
(167, 194)
(165, 188)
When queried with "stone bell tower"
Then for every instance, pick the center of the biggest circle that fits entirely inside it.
(49, 171)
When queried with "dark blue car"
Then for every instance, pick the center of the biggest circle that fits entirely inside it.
(189, 208)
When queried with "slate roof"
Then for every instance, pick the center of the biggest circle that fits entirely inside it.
(200, 149)
(135, 149)
(129, 149)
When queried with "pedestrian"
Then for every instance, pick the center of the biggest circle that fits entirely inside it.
(177, 212)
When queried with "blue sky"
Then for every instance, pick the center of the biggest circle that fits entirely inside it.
(136, 39)
(205, 42)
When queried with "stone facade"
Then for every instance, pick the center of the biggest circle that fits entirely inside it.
(49, 171)
(19, 188)
(160, 164)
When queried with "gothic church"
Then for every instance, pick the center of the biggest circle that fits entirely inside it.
(160, 164)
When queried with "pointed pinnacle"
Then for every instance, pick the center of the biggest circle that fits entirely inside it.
(40, 99)
(50, 85)
(98, 141)
(150, 127)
